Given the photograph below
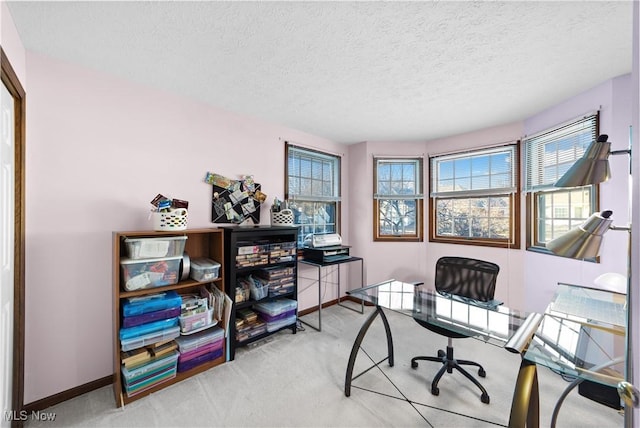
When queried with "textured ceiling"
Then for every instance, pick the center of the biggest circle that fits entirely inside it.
(347, 71)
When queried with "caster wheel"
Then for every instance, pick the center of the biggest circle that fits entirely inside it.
(484, 398)
(482, 373)
(436, 391)
(414, 364)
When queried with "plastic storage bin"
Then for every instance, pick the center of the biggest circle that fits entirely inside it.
(250, 330)
(200, 339)
(149, 375)
(277, 325)
(139, 274)
(203, 269)
(276, 307)
(252, 255)
(145, 370)
(259, 290)
(211, 347)
(280, 289)
(153, 248)
(150, 339)
(142, 329)
(273, 318)
(205, 358)
(196, 322)
(282, 252)
(150, 317)
(132, 306)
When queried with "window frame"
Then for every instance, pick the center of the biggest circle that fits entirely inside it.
(335, 199)
(532, 207)
(417, 197)
(532, 224)
(513, 197)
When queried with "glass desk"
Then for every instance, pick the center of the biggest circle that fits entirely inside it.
(490, 322)
(581, 335)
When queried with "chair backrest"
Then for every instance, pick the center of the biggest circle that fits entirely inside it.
(471, 278)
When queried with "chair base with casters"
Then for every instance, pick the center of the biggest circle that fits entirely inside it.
(449, 363)
(464, 277)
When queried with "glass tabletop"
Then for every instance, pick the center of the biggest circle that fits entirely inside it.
(491, 321)
(582, 335)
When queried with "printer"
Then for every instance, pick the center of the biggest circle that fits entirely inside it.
(325, 248)
(318, 240)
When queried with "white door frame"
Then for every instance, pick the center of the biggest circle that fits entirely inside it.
(12, 83)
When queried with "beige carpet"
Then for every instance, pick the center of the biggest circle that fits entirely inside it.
(298, 381)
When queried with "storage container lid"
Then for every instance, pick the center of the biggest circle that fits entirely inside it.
(186, 343)
(161, 238)
(203, 263)
(126, 261)
(276, 306)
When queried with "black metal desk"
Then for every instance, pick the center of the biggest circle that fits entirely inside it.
(320, 266)
(489, 322)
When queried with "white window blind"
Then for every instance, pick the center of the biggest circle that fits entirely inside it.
(550, 154)
(312, 176)
(398, 179)
(478, 173)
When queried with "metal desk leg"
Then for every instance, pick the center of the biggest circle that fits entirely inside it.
(576, 382)
(525, 407)
(319, 299)
(319, 327)
(361, 285)
(356, 346)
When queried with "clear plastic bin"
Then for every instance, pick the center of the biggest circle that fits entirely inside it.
(277, 325)
(133, 306)
(259, 290)
(196, 322)
(276, 307)
(198, 340)
(139, 274)
(203, 269)
(150, 339)
(282, 252)
(153, 248)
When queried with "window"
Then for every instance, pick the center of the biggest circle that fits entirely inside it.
(474, 198)
(312, 190)
(548, 155)
(397, 202)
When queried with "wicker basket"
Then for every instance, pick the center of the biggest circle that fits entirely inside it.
(282, 218)
(172, 220)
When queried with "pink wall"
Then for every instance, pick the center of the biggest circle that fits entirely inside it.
(542, 272)
(99, 149)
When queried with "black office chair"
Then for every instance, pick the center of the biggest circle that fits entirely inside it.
(475, 279)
